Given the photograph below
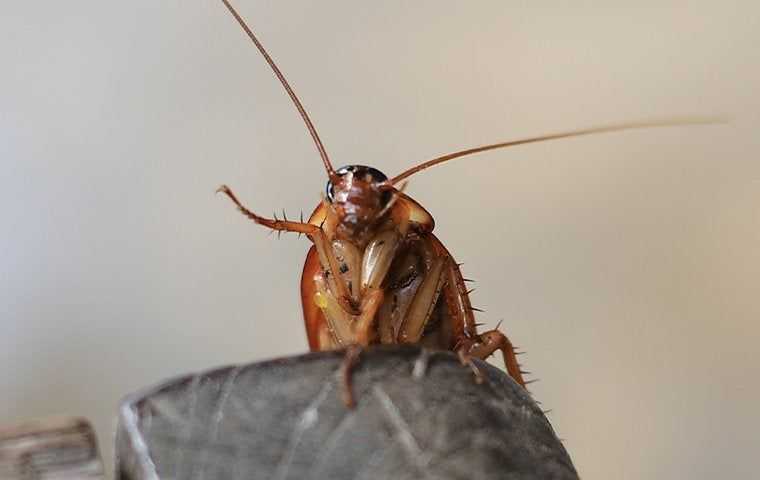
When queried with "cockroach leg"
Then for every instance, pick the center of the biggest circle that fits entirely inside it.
(364, 325)
(488, 342)
(348, 329)
(350, 360)
(423, 304)
(325, 251)
(340, 323)
(274, 224)
(366, 321)
(458, 300)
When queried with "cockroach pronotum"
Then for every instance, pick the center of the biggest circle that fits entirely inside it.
(376, 273)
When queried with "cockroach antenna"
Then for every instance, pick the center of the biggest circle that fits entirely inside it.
(301, 110)
(671, 122)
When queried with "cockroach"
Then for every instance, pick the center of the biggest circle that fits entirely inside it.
(376, 273)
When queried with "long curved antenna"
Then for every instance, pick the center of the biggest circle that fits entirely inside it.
(554, 136)
(313, 131)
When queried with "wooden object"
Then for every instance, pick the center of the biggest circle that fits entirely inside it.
(52, 449)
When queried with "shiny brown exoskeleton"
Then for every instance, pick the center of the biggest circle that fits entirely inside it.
(376, 274)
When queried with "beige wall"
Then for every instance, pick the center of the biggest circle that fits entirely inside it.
(626, 265)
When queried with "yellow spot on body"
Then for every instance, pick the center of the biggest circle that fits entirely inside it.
(320, 300)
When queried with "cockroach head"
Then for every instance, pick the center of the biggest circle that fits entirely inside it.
(359, 195)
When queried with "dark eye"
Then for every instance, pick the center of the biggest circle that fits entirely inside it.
(359, 171)
(330, 191)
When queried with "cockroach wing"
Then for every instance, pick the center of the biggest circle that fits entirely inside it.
(421, 220)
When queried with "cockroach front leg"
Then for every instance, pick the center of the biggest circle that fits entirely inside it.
(470, 343)
(350, 360)
(275, 224)
(354, 332)
(364, 326)
(315, 233)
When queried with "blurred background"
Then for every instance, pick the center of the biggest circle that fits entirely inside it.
(626, 265)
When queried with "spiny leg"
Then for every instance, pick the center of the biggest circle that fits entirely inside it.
(461, 310)
(324, 249)
(470, 343)
(458, 300)
(327, 254)
(488, 342)
(274, 224)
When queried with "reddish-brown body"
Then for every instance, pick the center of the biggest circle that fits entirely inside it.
(450, 323)
(451, 317)
(422, 295)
